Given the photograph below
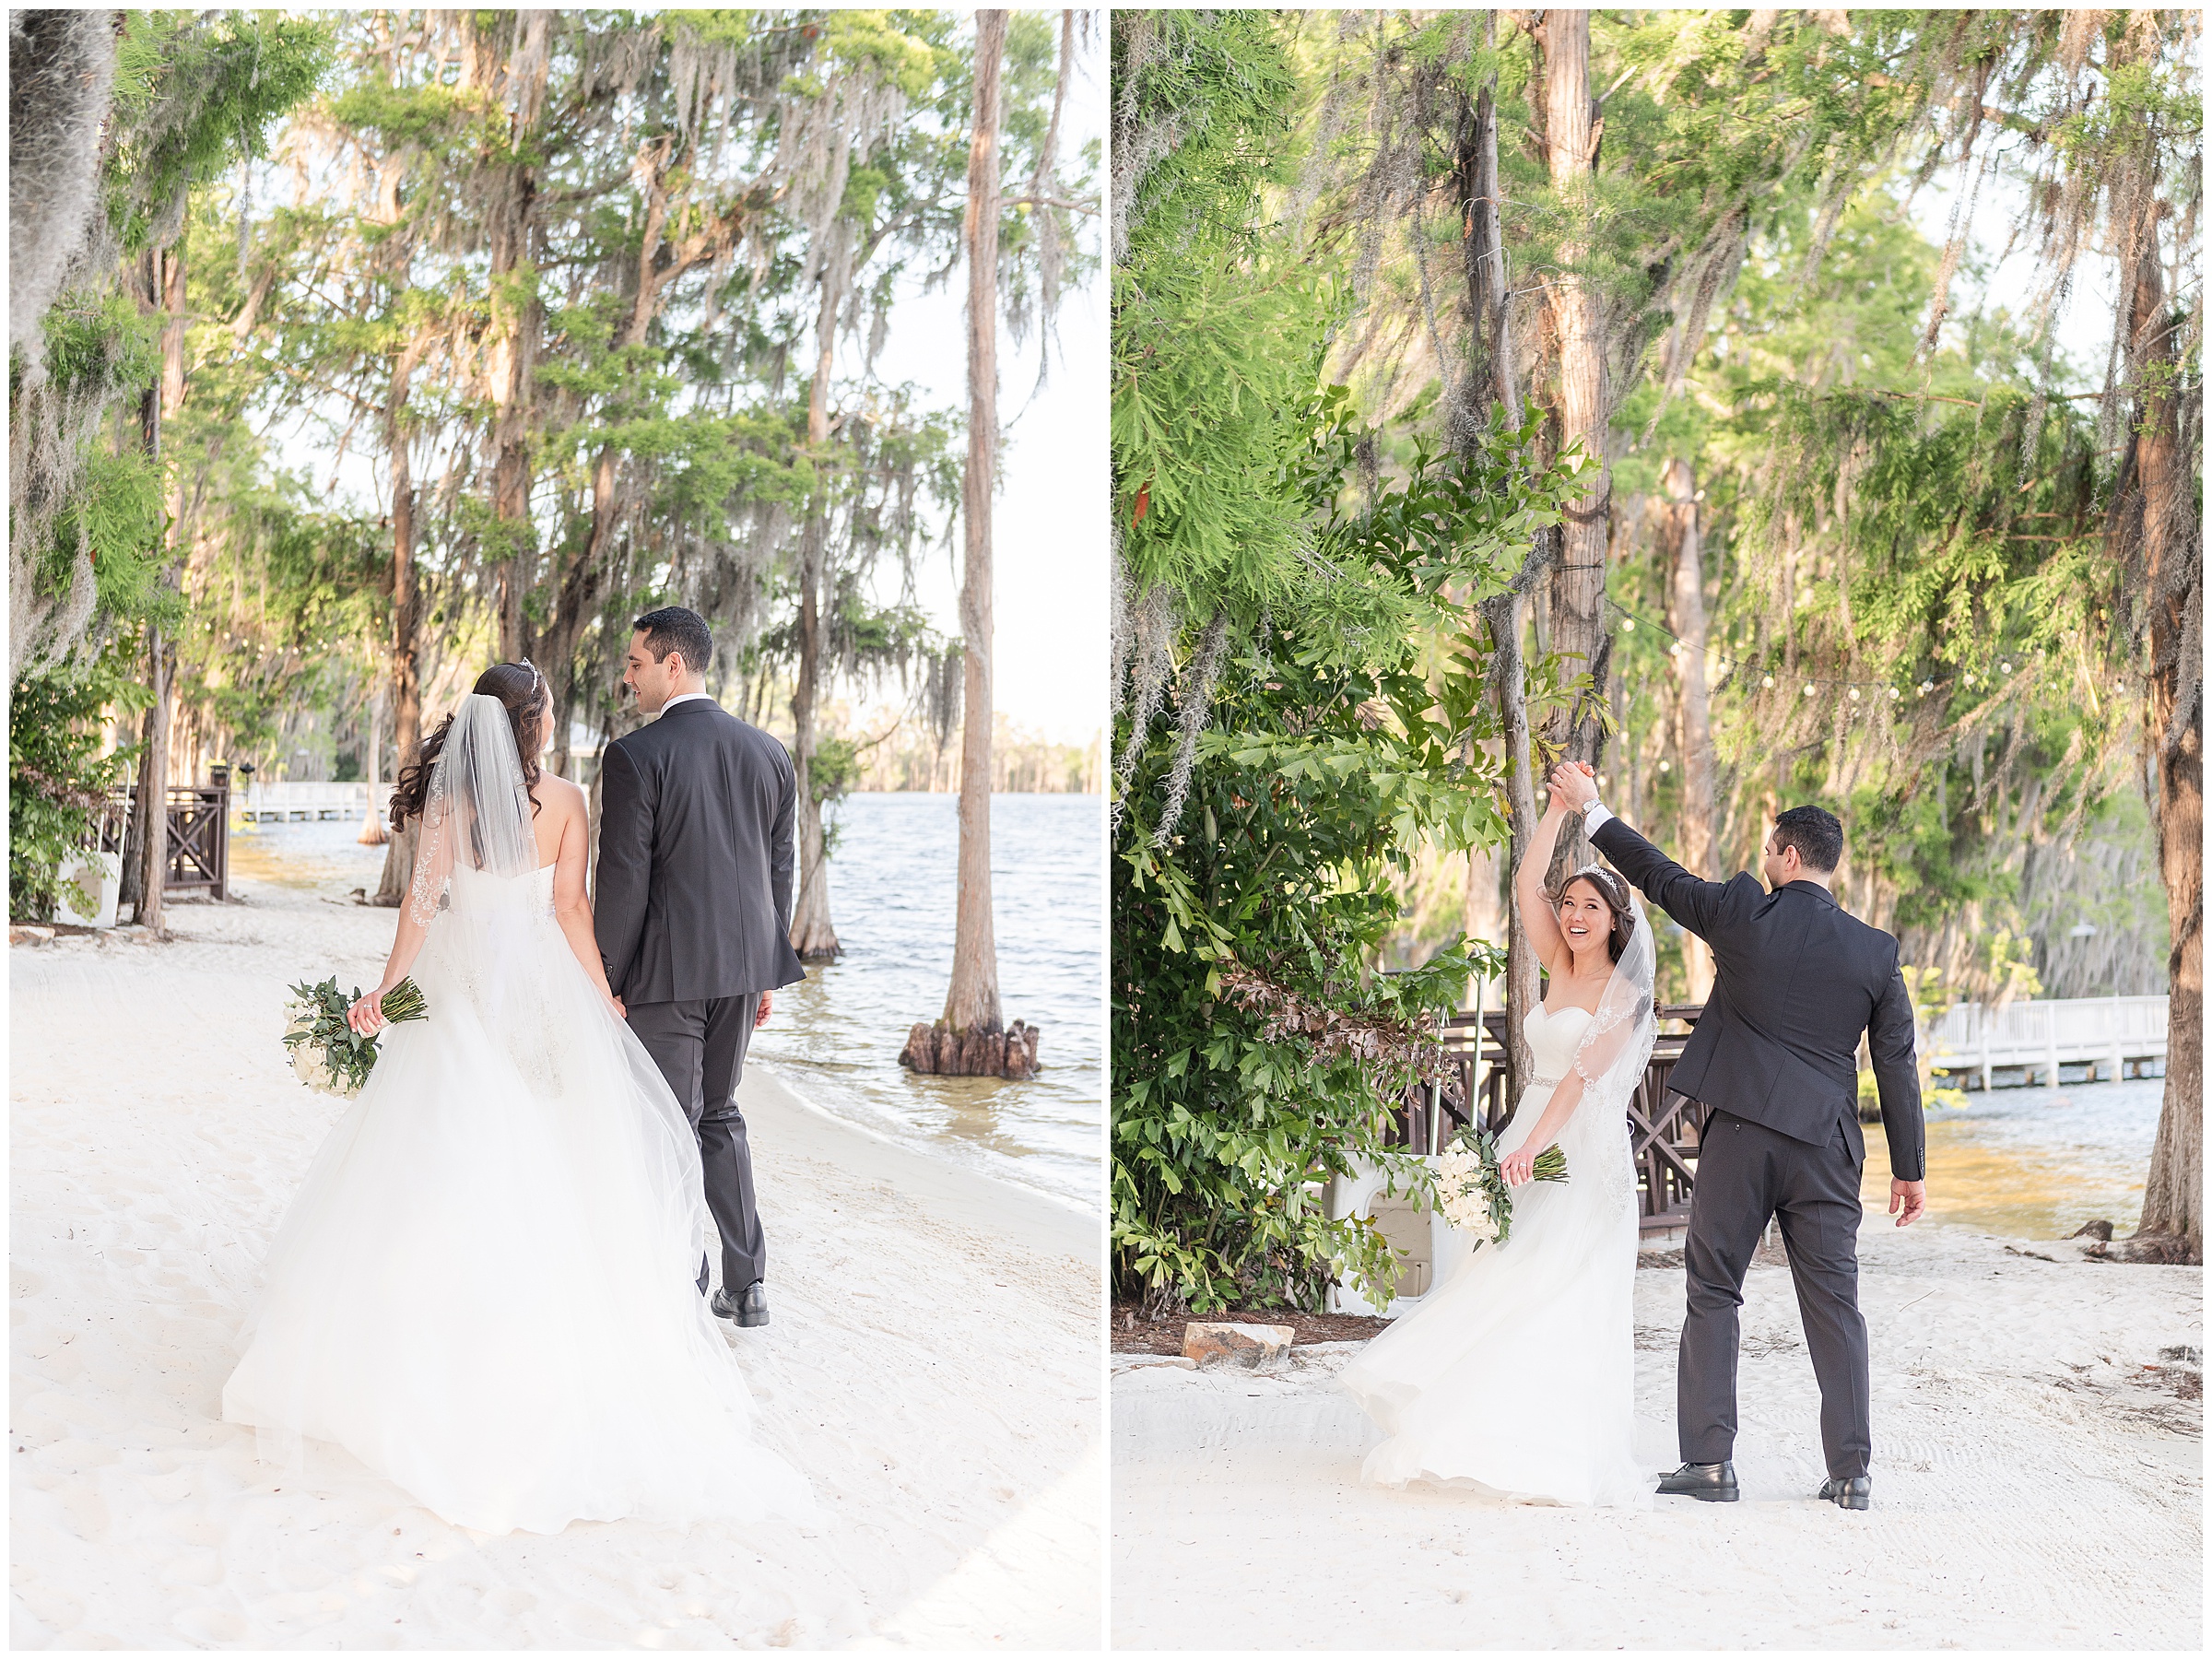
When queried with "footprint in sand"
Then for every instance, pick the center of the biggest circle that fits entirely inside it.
(209, 1625)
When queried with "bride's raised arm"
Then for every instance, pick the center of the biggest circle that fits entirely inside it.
(1528, 888)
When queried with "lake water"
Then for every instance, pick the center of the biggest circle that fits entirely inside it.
(891, 888)
(836, 1038)
(2033, 1163)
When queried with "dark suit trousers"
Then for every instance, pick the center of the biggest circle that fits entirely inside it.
(699, 1047)
(1745, 1174)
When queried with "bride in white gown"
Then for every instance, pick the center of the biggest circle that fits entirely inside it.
(1517, 1375)
(485, 1288)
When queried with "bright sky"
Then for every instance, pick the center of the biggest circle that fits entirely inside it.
(1048, 532)
(2083, 325)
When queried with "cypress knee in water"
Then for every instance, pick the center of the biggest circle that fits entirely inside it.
(935, 1048)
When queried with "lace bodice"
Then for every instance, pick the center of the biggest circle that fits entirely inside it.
(1595, 1142)
(1552, 1039)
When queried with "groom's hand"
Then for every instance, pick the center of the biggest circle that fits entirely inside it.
(1912, 1196)
(1576, 784)
(767, 1001)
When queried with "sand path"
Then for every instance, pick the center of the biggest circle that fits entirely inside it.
(2034, 1487)
(933, 1362)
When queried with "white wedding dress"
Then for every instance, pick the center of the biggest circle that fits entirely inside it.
(484, 1287)
(1517, 1375)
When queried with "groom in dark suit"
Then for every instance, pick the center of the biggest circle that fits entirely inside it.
(1775, 1059)
(693, 912)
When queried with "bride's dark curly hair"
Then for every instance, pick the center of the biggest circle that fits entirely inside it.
(1614, 893)
(528, 701)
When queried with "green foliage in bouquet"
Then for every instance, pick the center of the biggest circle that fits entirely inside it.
(1471, 1190)
(326, 1053)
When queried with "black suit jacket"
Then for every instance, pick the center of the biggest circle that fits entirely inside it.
(696, 818)
(1797, 980)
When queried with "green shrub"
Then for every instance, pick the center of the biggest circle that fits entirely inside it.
(57, 780)
(1324, 773)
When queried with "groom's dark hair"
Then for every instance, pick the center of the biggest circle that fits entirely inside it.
(673, 629)
(1817, 835)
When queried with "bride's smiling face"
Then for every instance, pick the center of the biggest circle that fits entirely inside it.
(1584, 918)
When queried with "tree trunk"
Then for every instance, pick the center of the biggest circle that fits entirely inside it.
(1684, 552)
(1490, 335)
(812, 934)
(167, 271)
(581, 583)
(971, 1001)
(399, 866)
(1524, 988)
(153, 783)
(134, 827)
(2174, 736)
(1577, 591)
(406, 663)
(517, 317)
(373, 830)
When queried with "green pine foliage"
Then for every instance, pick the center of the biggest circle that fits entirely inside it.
(1322, 778)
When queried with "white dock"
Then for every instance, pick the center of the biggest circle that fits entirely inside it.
(2113, 1037)
(299, 802)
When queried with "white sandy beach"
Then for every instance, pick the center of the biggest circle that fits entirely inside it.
(2034, 1487)
(933, 1363)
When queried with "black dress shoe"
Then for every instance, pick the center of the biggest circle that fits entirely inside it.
(749, 1308)
(1851, 1492)
(1714, 1483)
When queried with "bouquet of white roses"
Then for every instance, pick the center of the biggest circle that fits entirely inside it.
(328, 1056)
(1472, 1191)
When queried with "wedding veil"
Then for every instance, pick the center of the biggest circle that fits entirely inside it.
(477, 816)
(1616, 1047)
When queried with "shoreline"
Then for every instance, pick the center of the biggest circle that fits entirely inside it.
(158, 1137)
(1036, 1217)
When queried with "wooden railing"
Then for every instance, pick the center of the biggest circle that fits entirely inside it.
(199, 837)
(1663, 1127)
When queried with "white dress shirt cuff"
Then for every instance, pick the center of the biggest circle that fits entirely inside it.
(1593, 816)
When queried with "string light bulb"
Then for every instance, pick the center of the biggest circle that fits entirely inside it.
(1855, 694)
(1628, 624)
(1808, 688)
(1767, 681)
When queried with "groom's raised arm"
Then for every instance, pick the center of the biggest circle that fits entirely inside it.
(625, 864)
(1691, 900)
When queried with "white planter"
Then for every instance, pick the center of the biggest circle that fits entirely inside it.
(1430, 1248)
(95, 873)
